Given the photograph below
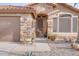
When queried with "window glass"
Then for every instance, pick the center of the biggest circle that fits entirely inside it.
(74, 24)
(55, 24)
(65, 23)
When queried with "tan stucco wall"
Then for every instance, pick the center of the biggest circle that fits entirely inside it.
(60, 9)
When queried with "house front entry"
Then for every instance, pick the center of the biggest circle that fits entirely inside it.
(41, 25)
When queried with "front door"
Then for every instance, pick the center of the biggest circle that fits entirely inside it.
(41, 26)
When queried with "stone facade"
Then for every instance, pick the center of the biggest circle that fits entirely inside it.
(27, 27)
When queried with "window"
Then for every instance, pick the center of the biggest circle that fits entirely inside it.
(65, 23)
(55, 24)
(74, 24)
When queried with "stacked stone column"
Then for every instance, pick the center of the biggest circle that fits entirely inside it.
(26, 29)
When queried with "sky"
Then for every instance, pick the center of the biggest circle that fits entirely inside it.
(72, 4)
(16, 4)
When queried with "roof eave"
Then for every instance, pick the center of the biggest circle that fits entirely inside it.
(69, 7)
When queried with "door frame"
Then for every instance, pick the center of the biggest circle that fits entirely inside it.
(46, 16)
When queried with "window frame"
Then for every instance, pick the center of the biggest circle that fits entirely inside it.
(71, 22)
(57, 23)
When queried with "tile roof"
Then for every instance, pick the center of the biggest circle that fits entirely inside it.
(15, 9)
(28, 8)
(62, 4)
(69, 7)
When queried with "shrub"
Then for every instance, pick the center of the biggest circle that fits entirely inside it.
(52, 37)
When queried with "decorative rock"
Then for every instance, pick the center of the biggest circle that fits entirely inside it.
(22, 20)
(75, 46)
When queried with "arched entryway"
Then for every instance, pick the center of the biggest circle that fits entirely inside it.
(41, 25)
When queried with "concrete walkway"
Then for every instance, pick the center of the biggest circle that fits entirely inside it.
(11, 48)
(41, 44)
(62, 48)
(40, 47)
